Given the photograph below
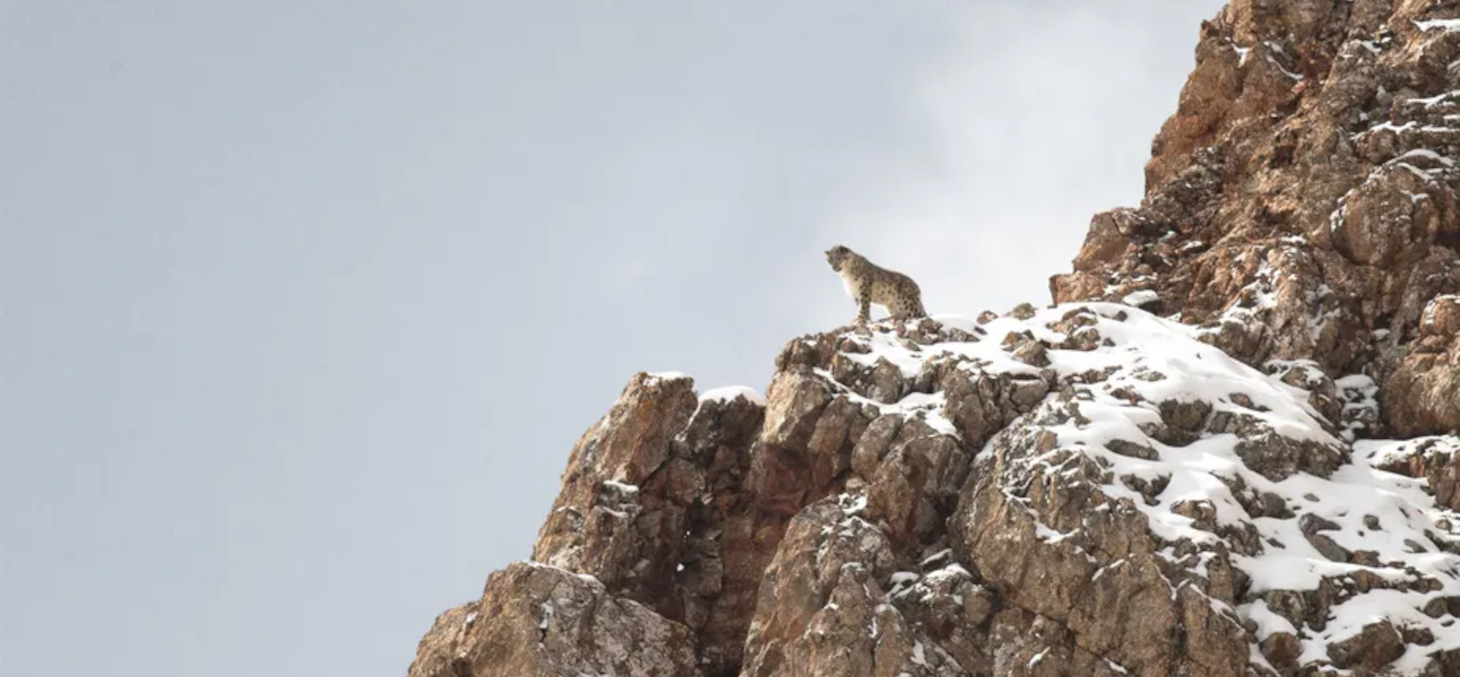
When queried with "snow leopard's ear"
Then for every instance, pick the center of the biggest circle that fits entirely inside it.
(835, 255)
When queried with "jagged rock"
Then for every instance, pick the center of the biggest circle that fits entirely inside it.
(632, 509)
(1054, 545)
(543, 621)
(727, 543)
(608, 521)
(1030, 645)
(914, 487)
(1301, 203)
(1434, 459)
(823, 532)
(1373, 648)
(1441, 318)
(1086, 489)
(977, 404)
(441, 652)
(820, 595)
(796, 400)
(1423, 395)
(1110, 234)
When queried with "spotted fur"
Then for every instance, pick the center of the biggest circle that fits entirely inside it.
(867, 284)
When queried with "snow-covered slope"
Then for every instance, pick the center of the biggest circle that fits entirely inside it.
(1222, 461)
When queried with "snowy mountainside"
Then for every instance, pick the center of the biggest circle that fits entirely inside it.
(1222, 461)
(1253, 475)
(1081, 489)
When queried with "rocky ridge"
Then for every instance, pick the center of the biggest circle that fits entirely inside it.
(1301, 202)
(1229, 449)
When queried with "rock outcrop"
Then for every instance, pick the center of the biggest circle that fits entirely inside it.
(1229, 449)
(1301, 204)
(538, 620)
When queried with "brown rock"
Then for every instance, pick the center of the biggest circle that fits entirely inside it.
(1373, 648)
(1437, 460)
(1300, 214)
(599, 523)
(1124, 613)
(795, 400)
(1109, 235)
(442, 652)
(819, 595)
(1441, 318)
(1422, 397)
(538, 620)
(1306, 184)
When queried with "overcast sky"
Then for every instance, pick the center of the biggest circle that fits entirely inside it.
(303, 304)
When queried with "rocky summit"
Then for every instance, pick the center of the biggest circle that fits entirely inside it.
(1229, 448)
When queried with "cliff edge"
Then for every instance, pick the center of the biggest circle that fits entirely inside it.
(1229, 448)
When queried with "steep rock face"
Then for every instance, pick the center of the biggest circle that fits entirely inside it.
(543, 621)
(1087, 489)
(1301, 204)
(670, 501)
(1178, 470)
(1423, 394)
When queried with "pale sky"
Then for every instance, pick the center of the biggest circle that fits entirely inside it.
(303, 304)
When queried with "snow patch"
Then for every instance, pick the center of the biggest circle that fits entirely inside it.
(1140, 298)
(732, 393)
(627, 489)
(1443, 25)
(1392, 531)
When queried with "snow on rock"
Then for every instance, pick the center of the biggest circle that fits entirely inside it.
(1073, 484)
(959, 322)
(1246, 483)
(1050, 487)
(732, 393)
(1441, 316)
(1140, 298)
(1360, 412)
(1444, 25)
(622, 488)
